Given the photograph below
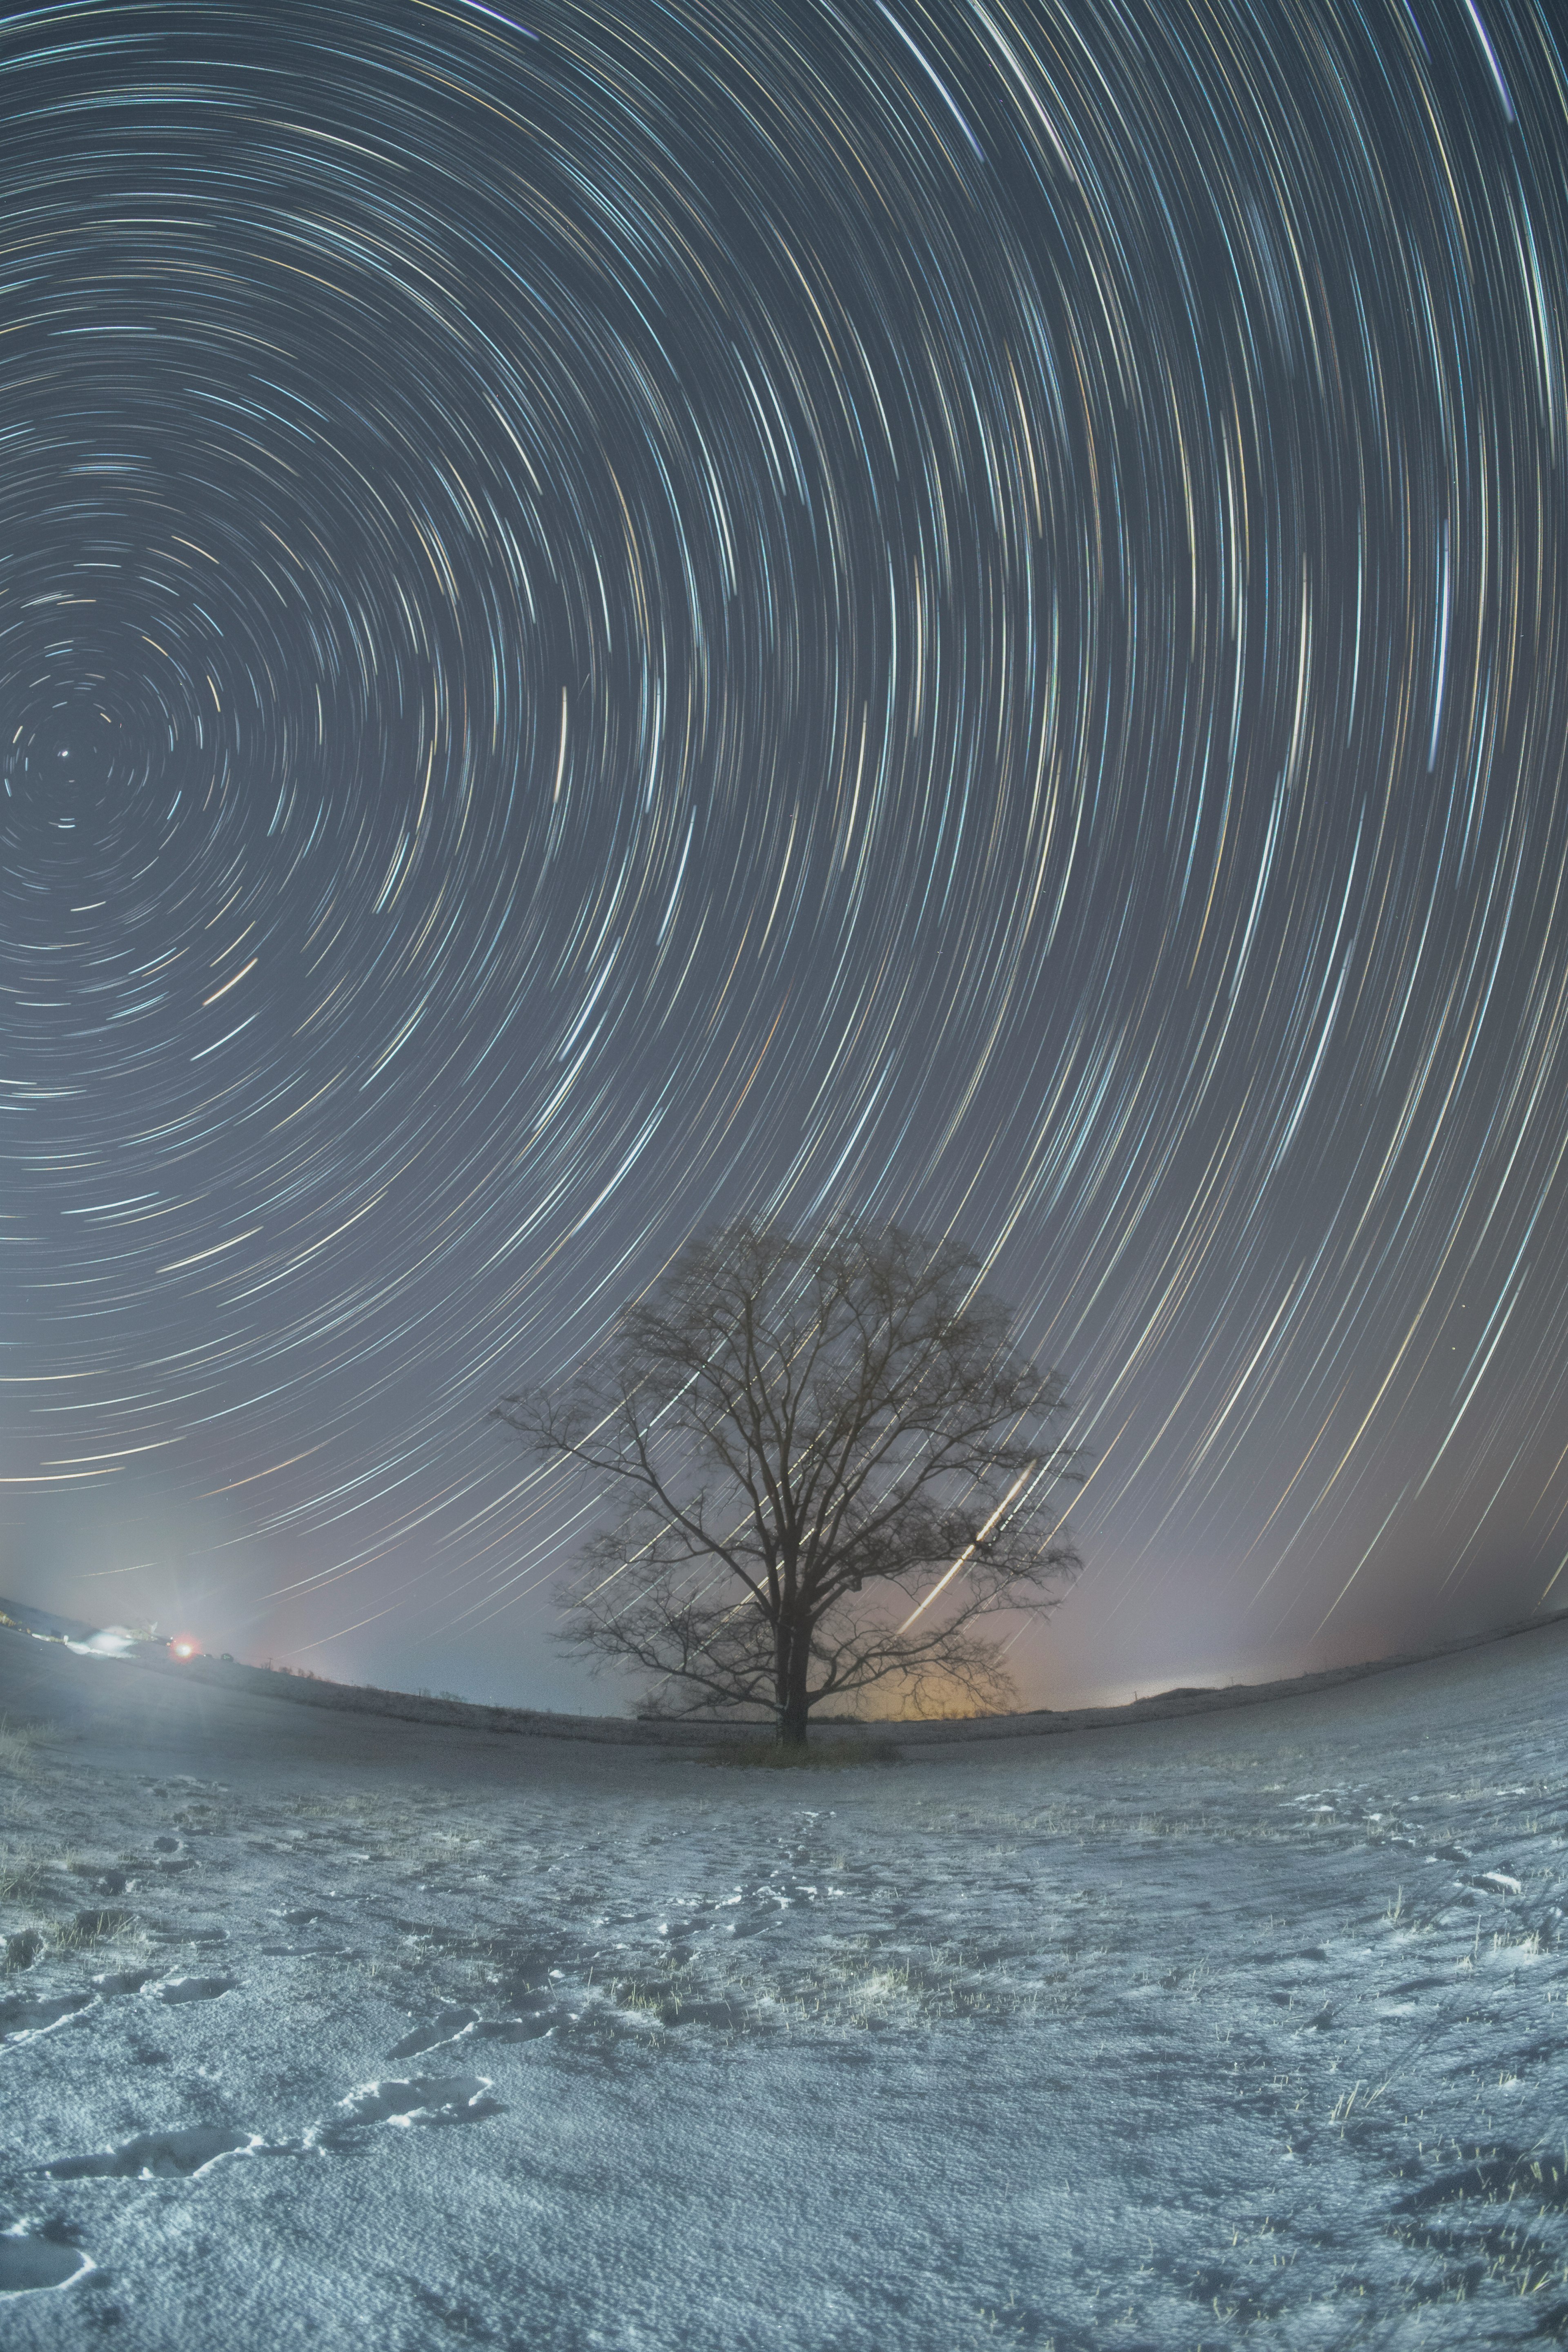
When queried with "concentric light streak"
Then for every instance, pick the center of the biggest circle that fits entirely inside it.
(949, 610)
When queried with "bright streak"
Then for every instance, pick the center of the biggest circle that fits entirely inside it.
(1491, 60)
(969, 1549)
(915, 50)
(512, 27)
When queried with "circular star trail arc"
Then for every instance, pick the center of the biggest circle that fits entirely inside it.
(942, 612)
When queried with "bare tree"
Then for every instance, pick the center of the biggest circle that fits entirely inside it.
(837, 1466)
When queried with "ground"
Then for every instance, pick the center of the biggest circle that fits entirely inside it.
(325, 2029)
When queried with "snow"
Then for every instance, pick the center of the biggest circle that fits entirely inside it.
(327, 2028)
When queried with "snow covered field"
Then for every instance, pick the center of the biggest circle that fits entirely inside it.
(329, 2029)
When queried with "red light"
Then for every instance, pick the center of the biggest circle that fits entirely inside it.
(184, 1649)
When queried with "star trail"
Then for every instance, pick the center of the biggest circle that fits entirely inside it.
(614, 616)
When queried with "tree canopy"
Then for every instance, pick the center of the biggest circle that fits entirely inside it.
(833, 1465)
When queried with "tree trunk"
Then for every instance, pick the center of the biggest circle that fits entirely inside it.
(790, 1729)
(793, 1655)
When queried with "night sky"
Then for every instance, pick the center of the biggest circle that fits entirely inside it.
(944, 612)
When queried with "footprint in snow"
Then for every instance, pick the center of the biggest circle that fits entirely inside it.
(24, 2016)
(463, 2025)
(156, 2155)
(450, 2026)
(124, 1980)
(30, 2264)
(178, 1989)
(424, 2099)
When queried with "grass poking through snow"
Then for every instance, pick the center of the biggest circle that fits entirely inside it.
(19, 1744)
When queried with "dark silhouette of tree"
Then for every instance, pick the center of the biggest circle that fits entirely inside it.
(837, 1465)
